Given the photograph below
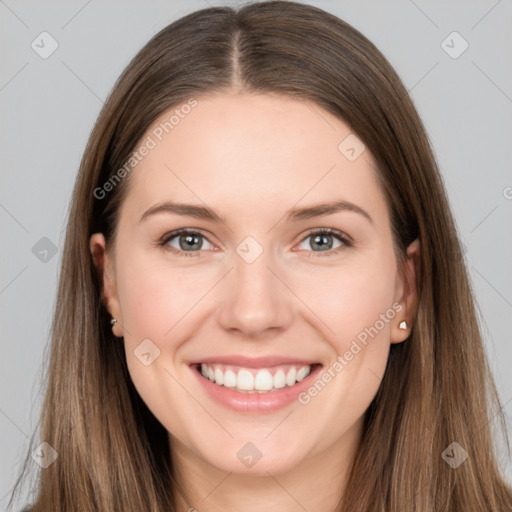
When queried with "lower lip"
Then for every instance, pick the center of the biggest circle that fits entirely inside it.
(255, 402)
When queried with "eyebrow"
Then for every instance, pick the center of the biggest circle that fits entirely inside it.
(294, 214)
(318, 210)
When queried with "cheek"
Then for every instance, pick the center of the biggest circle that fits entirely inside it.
(356, 305)
(352, 297)
(347, 298)
(157, 301)
(154, 298)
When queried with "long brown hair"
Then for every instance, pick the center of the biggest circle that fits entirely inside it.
(113, 454)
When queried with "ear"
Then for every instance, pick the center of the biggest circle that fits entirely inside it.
(407, 295)
(105, 269)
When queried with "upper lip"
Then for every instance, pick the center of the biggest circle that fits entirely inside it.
(254, 362)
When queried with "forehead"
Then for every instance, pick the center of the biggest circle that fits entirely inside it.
(252, 152)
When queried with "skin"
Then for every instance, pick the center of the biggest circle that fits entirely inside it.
(251, 158)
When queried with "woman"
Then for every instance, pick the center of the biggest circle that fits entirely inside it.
(263, 301)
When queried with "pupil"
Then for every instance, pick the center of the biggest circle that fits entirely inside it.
(323, 241)
(188, 241)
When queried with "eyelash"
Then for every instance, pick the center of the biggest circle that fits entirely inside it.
(165, 239)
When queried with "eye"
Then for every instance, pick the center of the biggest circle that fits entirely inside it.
(184, 242)
(324, 240)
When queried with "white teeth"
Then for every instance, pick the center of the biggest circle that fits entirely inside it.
(245, 380)
(254, 380)
(263, 381)
(290, 377)
(301, 374)
(219, 376)
(230, 379)
(279, 379)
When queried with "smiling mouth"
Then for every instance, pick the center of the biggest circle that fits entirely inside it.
(254, 380)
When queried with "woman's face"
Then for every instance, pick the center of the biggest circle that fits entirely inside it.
(257, 292)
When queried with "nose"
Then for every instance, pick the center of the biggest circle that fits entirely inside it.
(256, 302)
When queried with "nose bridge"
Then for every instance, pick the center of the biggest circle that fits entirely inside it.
(255, 300)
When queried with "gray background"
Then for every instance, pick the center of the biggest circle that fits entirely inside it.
(48, 107)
